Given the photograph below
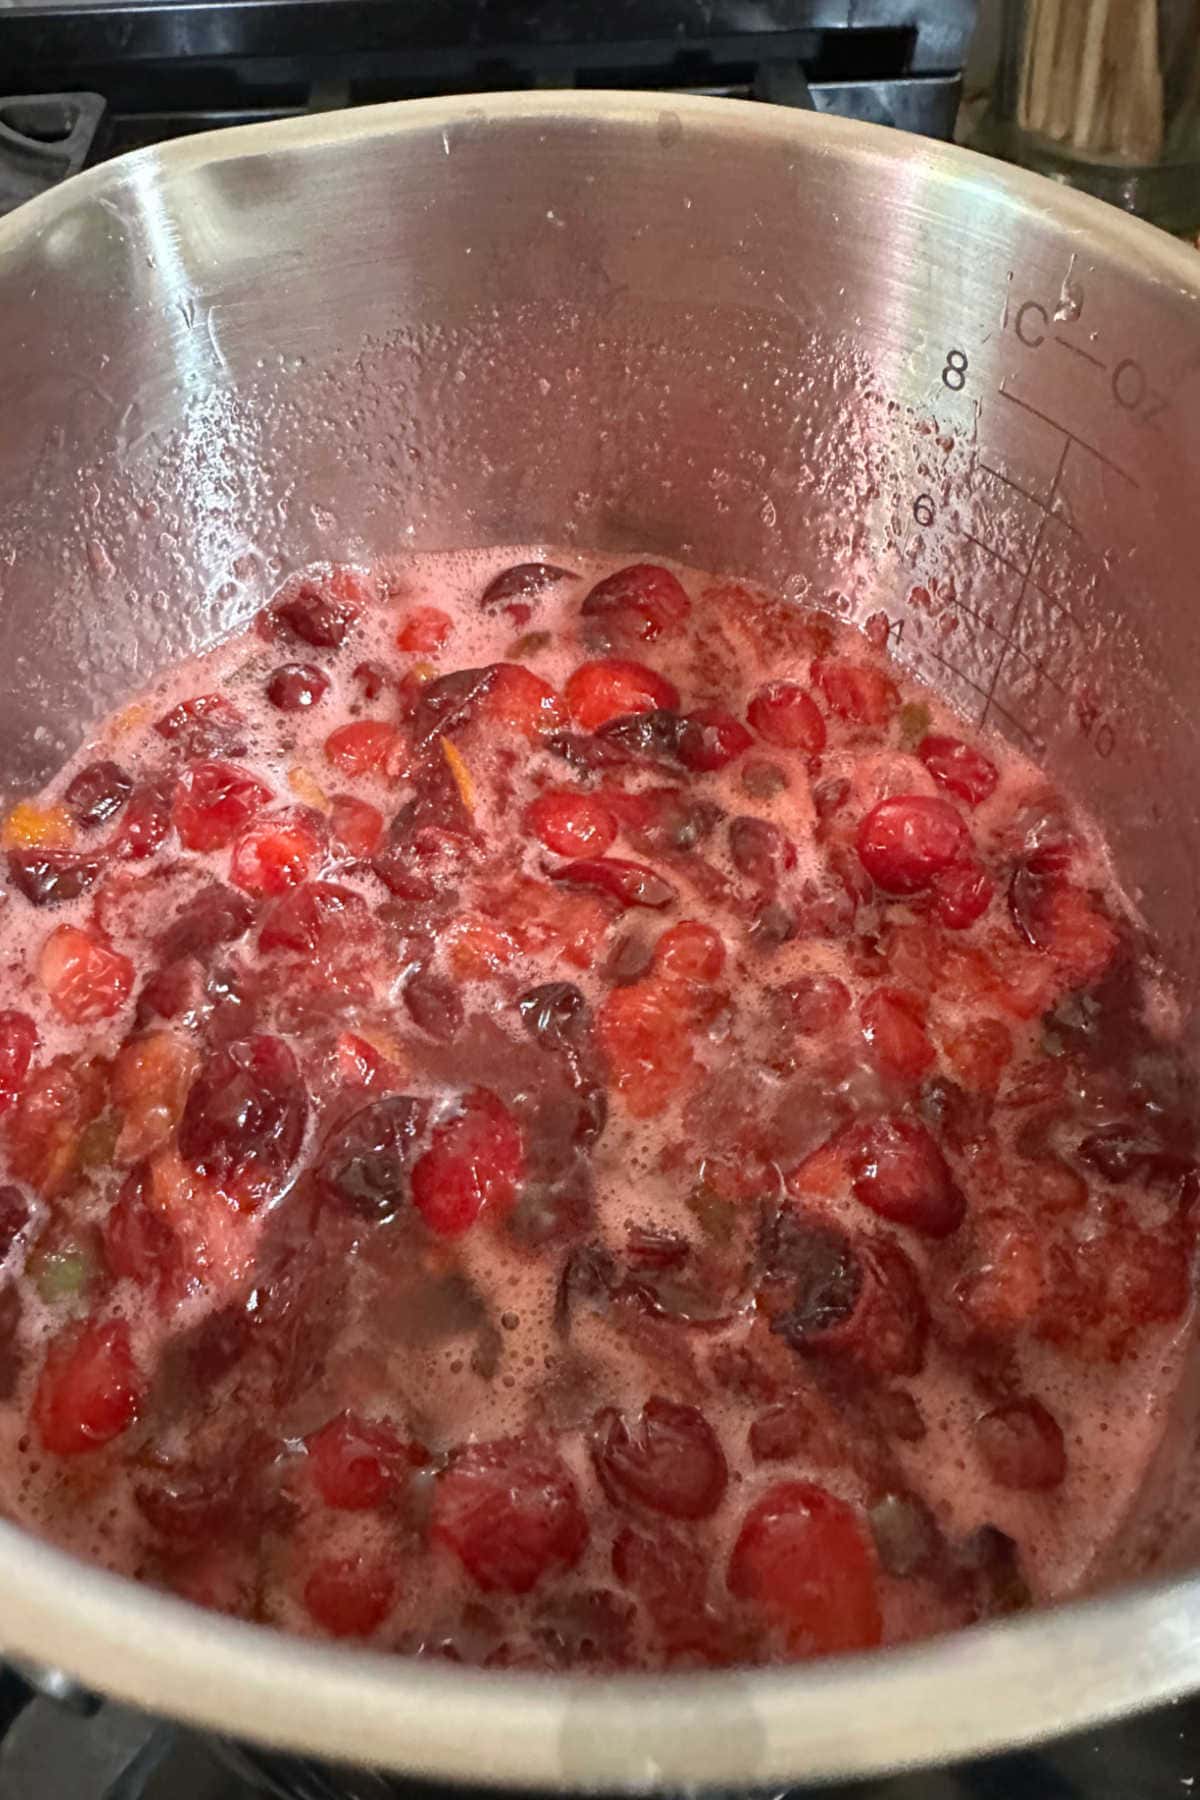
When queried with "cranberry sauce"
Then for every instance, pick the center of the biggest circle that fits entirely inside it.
(568, 1116)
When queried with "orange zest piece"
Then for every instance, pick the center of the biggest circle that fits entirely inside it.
(33, 827)
(461, 774)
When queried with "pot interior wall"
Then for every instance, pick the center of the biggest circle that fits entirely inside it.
(868, 379)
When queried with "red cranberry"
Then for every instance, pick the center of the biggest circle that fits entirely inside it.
(208, 725)
(669, 1460)
(571, 824)
(1022, 1446)
(97, 794)
(245, 1117)
(813, 1004)
(760, 851)
(89, 1389)
(84, 976)
(511, 1513)
(216, 915)
(139, 1243)
(610, 688)
(803, 1560)
(893, 1023)
(350, 1596)
(296, 686)
(213, 800)
(434, 1002)
(356, 1463)
(524, 581)
(711, 739)
(314, 920)
(784, 714)
(960, 768)
(904, 842)
(899, 1172)
(962, 894)
(147, 820)
(318, 618)
(18, 1041)
(472, 1164)
(632, 884)
(48, 877)
(640, 602)
(858, 693)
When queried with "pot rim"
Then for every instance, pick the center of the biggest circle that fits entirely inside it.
(970, 1692)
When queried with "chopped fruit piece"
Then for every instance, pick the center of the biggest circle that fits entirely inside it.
(629, 883)
(571, 823)
(350, 1596)
(1004, 1284)
(146, 822)
(139, 1244)
(318, 919)
(511, 1513)
(640, 602)
(424, 631)
(1022, 1445)
(319, 618)
(89, 1390)
(690, 952)
(244, 1120)
(861, 694)
(899, 1172)
(18, 1041)
(784, 714)
(49, 877)
(904, 842)
(979, 1051)
(473, 1164)
(549, 922)
(960, 768)
(525, 581)
(711, 738)
(610, 688)
(830, 1295)
(357, 1464)
(209, 725)
(84, 976)
(151, 1076)
(47, 1125)
(893, 1023)
(295, 687)
(477, 949)
(355, 826)
(36, 827)
(367, 747)
(307, 790)
(277, 854)
(213, 801)
(803, 1560)
(669, 1460)
(647, 1038)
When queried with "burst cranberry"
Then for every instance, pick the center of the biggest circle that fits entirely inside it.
(893, 1024)
(18, 1041)
(277, 854)
(524, 581)
(1056, 916)
(89, 1389)
(314, 920)
(146, 822)
(364, 1167)
(355, 826)
(84, 976)
(150, 1078)
(215, 916)
(804, 1562)
(814, 1004)
(979, 1051)
(48, 877)
(208, 725)
(244, 1120)
(511, 1513)
(760, 851)
(14, 1216)
(473, 1164)
(961, 894)
(784, 714)
(711, 739)
(960, 768)
(97, 794)
(213, 801)
(830, 1295)
(139, 1244)
(297, 686)
(641, 601)
(904, 842)
(669, 1460)
(433, 1002)
(863, 695)
(571, 824)
(321, 619)
(350, 1596)
(356, 1463)
(690, 951)
(516, 700)
(1021, 1445)
(610, 688)
(366, 747)
(629, 883)
(899, 1172)
(424, 632)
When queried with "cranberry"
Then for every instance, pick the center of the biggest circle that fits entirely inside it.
(213, 800)
(147, 820)
(899, 1172)
(278, 853)
(355, 826)
(47, 877)
(97, 794)
(319, 618)
(294, 687)
(188, 1506)
(472, 1165)
(629, 883)
(904, 842)
(511, 1513)
(245, 1117)
(856, 692)
(216, 915)
(424, 631)
(371, 679)
(350, 1596)
(18, 1041)
(434, 1002)
(524, 581)
(830, 1295)
(711, 739)
(366, 747)
(84, 976)
(356, 1463)
(89, 1389)
(14, 1216)
(641, 601)
(571, 824)
(962, 894)
(364, 1166)
(139, 1243)
(642, 737)
(690, 952)
(960, 768)
(669, 1460)
(1022, 1445)
(813, 1004)
(314, 920)
(760, 851)
(556, 1016)
(802, 1559)
(610, 688)
(588, 1629)
(784, 714)
(979, 1051)
(208, 725)
(893, 1023)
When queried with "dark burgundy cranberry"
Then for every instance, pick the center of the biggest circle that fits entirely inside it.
(97, 794)
(669, 1460)
(434, 1002)
(147, 820)
(823, 1275)
(169, 992)
(317, 618)
(556, 1015)
(1125, 1151)
(245, 1116)
(906, 1535)
(371, 678)
(296, 686)
(647, 736)
(630, 958)
(11, 1355)
(649, 1247)
(525, 581)
(14, 1216)
(589, 1278)
(208, 725)
(588, 753)
(216, 915)
(364, 1166)
(49, 877)
(773, 925)
(760, 851)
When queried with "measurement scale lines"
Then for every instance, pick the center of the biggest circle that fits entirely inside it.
(1071, 436)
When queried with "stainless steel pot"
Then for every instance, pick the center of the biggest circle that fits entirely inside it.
(854, 365)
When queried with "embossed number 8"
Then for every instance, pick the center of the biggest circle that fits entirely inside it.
(955, 372)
